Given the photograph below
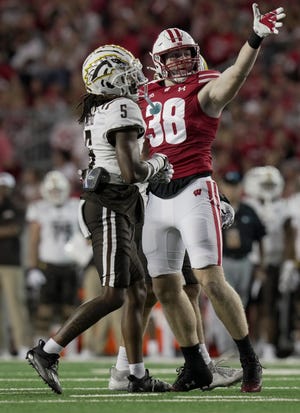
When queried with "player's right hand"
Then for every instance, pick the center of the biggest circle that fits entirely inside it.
(162, 169)
(163, 176)
(158, 162)
(265, 24)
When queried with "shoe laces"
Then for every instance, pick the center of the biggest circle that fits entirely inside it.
(181, 372)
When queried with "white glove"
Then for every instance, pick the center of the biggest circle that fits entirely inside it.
(35, 278)
(163, 176)
(79, 250)
(160, 169)
(227, 214)
(289, 277)
(265, 24)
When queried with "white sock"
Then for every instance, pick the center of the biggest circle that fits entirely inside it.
(138, 370)
(52, 347)
(122, 361)
(204, 353)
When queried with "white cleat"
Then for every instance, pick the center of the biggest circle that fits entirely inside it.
(118, 379)
(223, 376)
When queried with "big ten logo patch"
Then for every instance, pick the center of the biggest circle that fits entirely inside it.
(197, 192)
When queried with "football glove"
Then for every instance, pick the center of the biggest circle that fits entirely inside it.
(265, 24)
(227, 212)
(160, 169)
(289, 277)
(35, 278)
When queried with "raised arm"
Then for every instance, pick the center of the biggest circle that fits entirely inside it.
(218, 93)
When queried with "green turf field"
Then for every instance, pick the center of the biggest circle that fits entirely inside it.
(85, 390)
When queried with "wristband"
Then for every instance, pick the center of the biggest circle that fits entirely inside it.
(254, 40)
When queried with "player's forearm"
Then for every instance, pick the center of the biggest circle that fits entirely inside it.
(232, 79)
(245, 61)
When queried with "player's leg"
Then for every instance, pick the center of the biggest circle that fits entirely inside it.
(229, 309)
(164, 251)
(222, 376)
(115, 278)
(200, 227)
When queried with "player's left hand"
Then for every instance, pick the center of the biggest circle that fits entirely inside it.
(265, 24)
(289, 277)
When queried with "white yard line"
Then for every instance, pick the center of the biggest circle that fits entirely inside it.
(96, 398)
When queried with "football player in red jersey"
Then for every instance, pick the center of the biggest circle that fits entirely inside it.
(182, 114)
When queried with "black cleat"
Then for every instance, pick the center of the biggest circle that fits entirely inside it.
(252, 375)
(46, 365)
(189, 380)
(147, 384)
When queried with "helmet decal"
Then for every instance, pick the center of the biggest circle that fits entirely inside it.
(175, 35)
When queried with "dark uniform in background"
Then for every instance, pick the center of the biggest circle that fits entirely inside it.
(14, 315)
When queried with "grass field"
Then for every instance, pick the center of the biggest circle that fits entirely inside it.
(85, 390)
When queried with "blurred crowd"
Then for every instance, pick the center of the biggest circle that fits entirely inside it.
(43, 45)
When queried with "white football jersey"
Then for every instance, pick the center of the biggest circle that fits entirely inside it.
(273, 216)
(293, 211)
(58, 225)
(114, 115)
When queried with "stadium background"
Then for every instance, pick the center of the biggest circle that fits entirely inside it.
(43, 45)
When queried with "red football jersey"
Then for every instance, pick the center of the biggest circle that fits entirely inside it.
(181, 130)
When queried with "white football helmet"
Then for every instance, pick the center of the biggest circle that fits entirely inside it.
(113, 70)
(264, 182)
(55, 188)
(170, 40)
(7, 180)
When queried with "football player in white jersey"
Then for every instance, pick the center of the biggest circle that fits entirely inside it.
(52, 221)
(111, 207)
(263, 188)
(289, 278)
(182, 120)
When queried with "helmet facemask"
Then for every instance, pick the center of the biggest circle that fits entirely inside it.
(180, 68)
